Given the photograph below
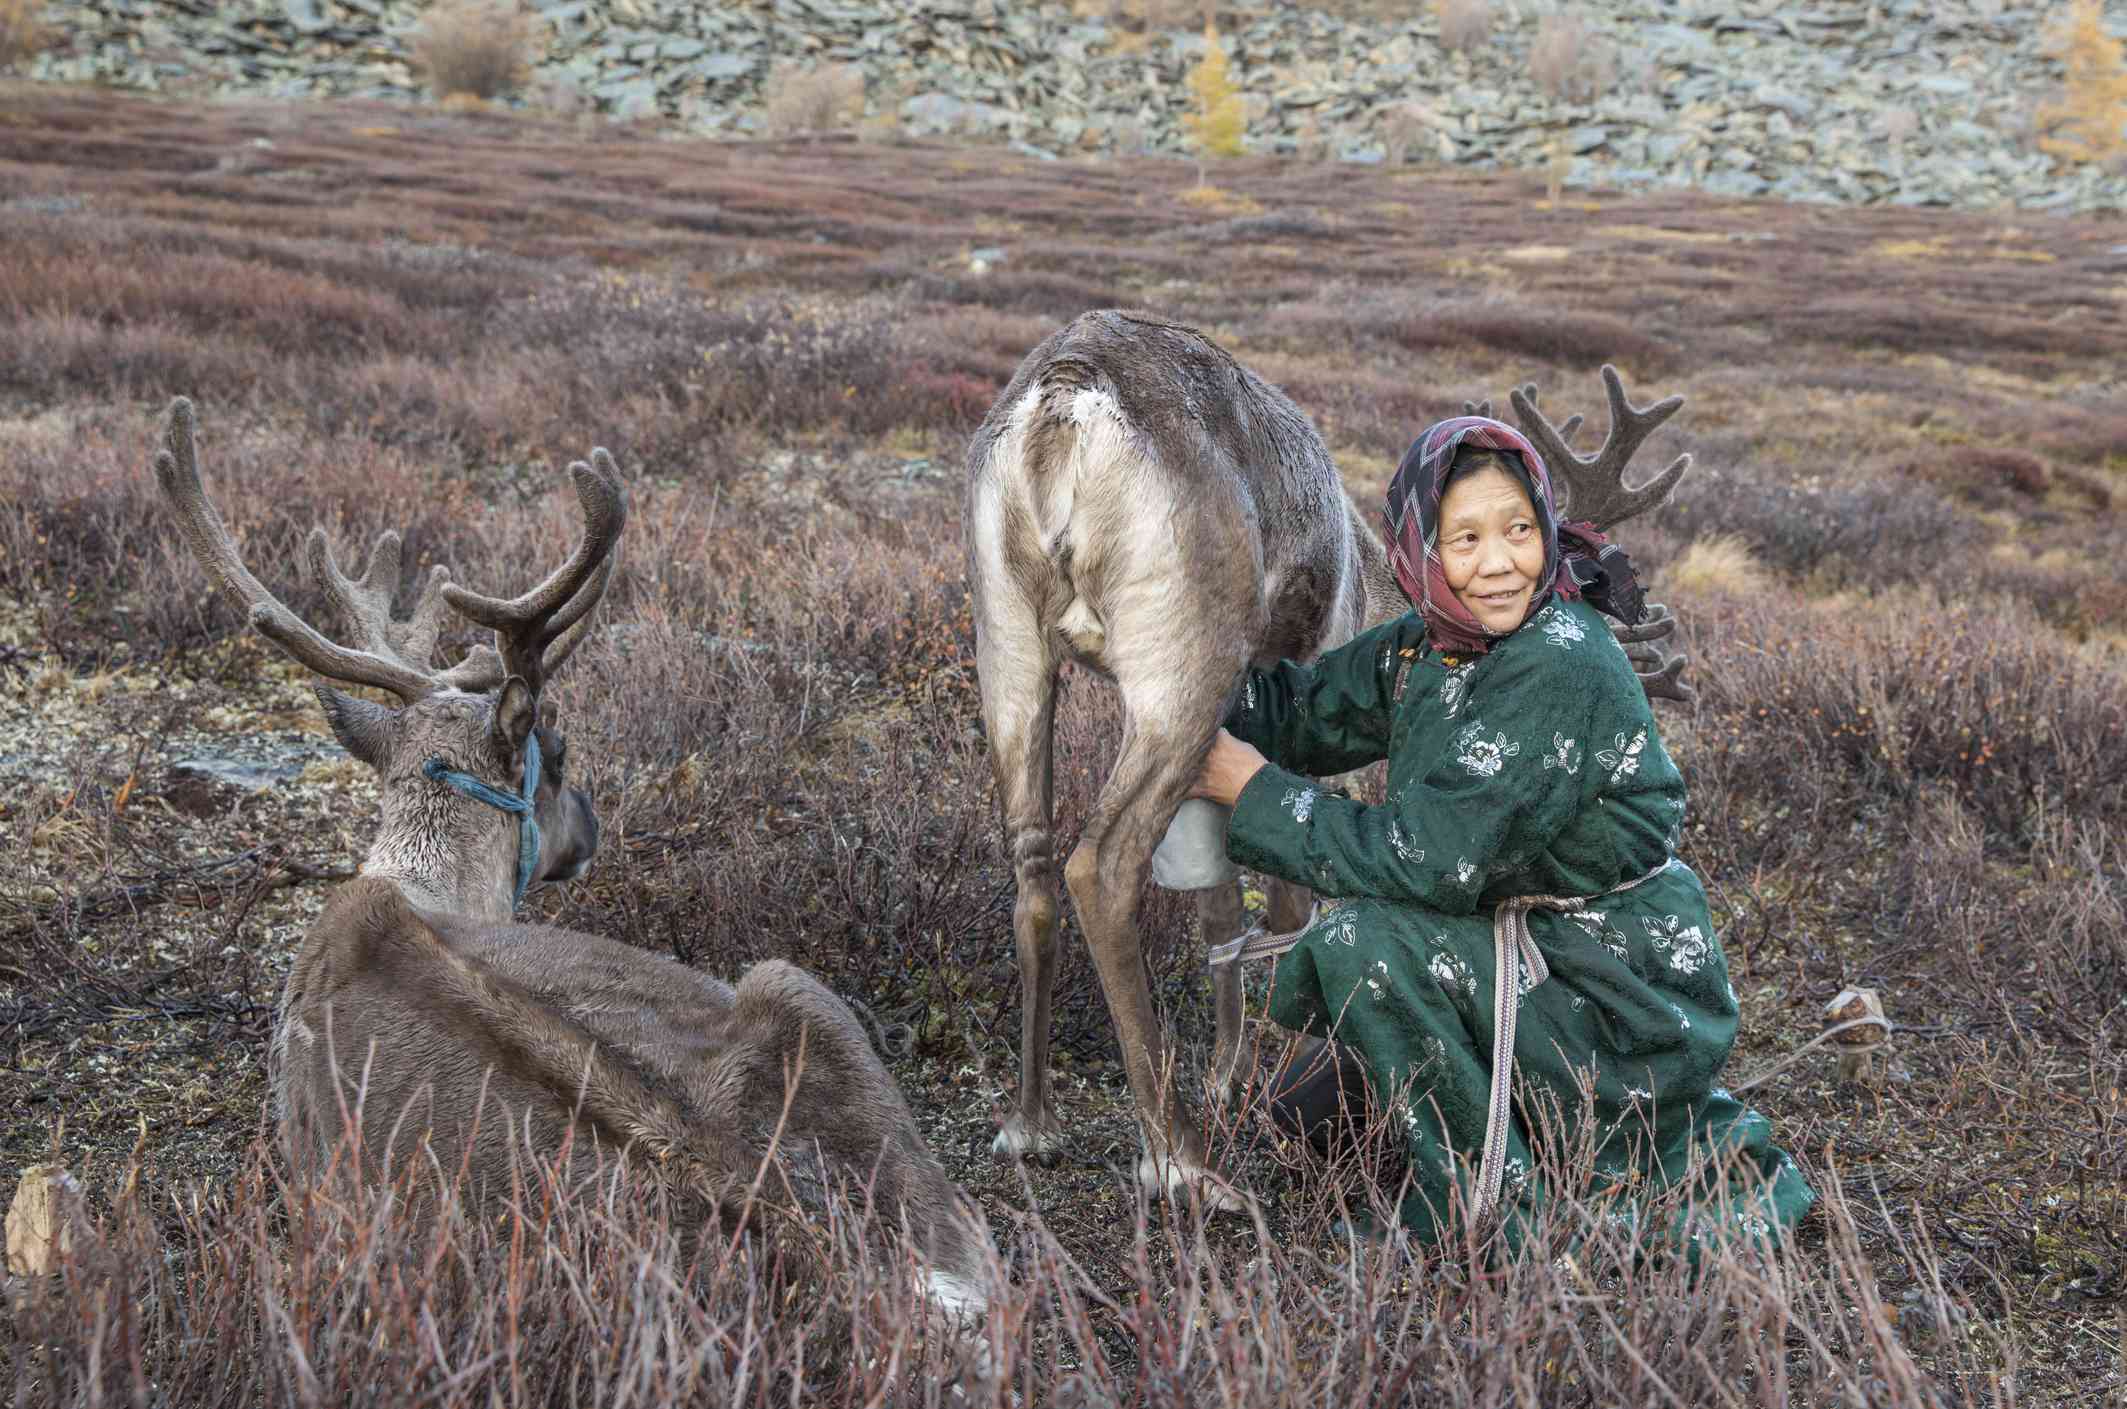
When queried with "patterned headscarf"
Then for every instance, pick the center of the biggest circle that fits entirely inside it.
(1412, 517)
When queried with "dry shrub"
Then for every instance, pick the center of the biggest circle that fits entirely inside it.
(1962, 900)
(591, 1285)
(1830, 711)
(1406, 128)
(807, 98)
(1465, 24)
(1569, 60)
(21, 33)
(2011, 478)
(83, 515)
(1899, 126)
(476, 48)
(1503, 329)
(556, 94)
(1866, 535)
(1990, 476)
(1514, 331)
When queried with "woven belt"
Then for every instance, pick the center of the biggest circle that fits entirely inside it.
(1514, 953)
(1259, 942)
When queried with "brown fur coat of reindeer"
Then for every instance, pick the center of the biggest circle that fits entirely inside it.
(421, 1021)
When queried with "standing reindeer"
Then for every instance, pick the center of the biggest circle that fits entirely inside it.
(419, 1012)
(1141, 503)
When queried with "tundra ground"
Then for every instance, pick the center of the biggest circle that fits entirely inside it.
(1897, 562)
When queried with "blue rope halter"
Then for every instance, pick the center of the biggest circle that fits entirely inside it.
(527, 824)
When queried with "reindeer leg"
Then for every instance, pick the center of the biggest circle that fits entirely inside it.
(1019, 710)
(1219, 917)
(1289, 905)
(1168, 721)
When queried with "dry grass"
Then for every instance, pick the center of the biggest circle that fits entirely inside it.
(1717, 564)
(1569, 59)
(1405, 132)
(473, 48)
(1904, 768)
(808, 98)
(1465, 25)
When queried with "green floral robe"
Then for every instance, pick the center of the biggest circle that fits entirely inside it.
(1534, 768)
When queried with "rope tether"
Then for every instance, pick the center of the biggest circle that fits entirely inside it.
(527, 824)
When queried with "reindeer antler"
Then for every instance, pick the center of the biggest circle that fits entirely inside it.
(1661, 675)
(535, 632)
(1484, 408)
(389, 656)
(1593, 487)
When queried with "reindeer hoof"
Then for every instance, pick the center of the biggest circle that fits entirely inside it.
(1171, 1178)
(1040, 1142)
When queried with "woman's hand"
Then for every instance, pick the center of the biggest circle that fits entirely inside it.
(1227, 769)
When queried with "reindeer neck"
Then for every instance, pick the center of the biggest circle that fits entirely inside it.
(456, 856)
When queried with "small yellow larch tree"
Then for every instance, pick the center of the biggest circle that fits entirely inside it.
(2086, 124)
(1217, 119)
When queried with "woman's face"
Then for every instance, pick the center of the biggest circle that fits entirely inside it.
(1490, 548)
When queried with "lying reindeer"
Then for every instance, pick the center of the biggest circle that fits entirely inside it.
(421, 1012)
(1141, 503)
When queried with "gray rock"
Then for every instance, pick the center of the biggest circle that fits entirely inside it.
(248, 774)
(305, 16)
(631, 98)
(1794, 105)
(1723, 182)
(941, 112)
(1666, 148)
(718, 67)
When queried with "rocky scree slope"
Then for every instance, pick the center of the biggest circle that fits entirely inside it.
(1924, 102)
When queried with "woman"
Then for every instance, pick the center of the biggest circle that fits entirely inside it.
(1523, 762)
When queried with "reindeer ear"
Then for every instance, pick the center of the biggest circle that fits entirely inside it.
(363, 729)
(516, 711)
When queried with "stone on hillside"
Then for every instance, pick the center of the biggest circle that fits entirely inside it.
(305, 16)
(40, 1221)
(1778, 81)
(718, 67)
(635, 98)
(247, 775)
(941, 112)
(1735, 183)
